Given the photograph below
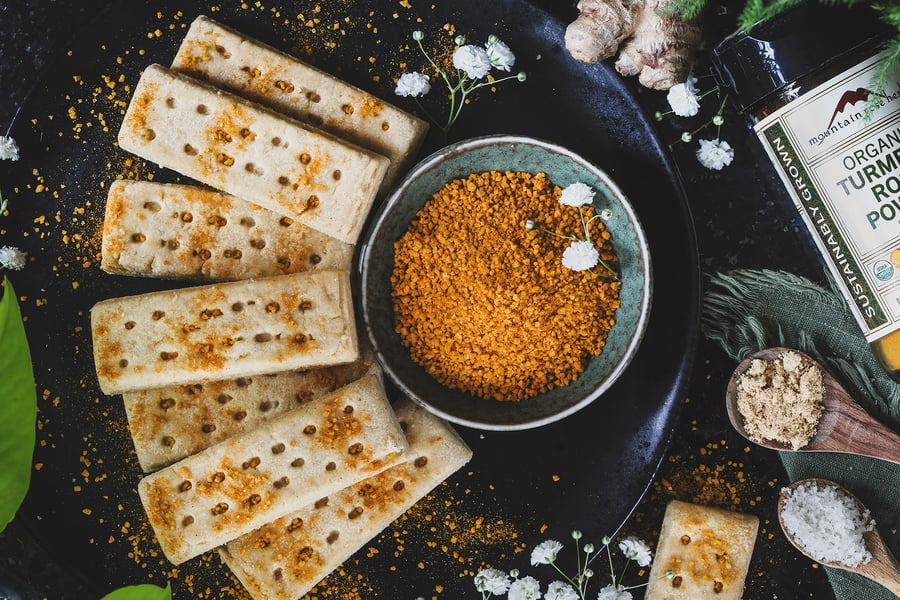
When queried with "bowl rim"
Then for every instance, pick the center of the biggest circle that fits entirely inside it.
(460, 147)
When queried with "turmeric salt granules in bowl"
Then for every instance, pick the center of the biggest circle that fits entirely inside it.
(465, 296)
(485, 304)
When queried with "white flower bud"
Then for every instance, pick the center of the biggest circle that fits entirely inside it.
(500, 55)
(473, 60)
(8, 148)
(413, 84)
(418, 35)
(11, 258)
(683, 98)
(715, 154)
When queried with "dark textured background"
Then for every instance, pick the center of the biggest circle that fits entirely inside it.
(743, 219)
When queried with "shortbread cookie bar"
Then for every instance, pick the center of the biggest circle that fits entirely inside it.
(252, 479)
(184, 231)
(171, 423)
(284, 559)
(237, 63)
(224, 330)
(252, 152)
(707, 550)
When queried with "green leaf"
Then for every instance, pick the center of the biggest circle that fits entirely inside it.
(141, 592)
(18, 407)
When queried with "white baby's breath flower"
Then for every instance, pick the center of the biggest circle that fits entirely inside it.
(683, 98)
(11, 258)
(614, 592)
(413, 84)
(576, 194)
(8, 148)
(473, 60)
(499, 54)
(635, 549)
(527, 588)
(580, 256)
(545, 552)
(493, 581)
(715, 154)
(559, 590)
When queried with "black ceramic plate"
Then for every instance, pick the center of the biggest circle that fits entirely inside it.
(586, 472)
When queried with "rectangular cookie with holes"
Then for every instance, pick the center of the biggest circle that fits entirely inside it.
(232, 61)
(249, 480)
(284, 559)
(252, 152)
(707, 550)
(224, 330)
(183, 231)
(173, 422)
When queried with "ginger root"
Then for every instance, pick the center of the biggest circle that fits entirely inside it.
(659, 50)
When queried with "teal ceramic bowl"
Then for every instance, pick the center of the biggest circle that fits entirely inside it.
(503, 153)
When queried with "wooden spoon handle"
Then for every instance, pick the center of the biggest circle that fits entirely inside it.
(883, 568)
(856, 431)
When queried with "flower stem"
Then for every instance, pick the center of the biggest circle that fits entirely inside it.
(553, 233)
(587, 234)
(622, 575)
(568, 579)
(612, 273)
(612, 570)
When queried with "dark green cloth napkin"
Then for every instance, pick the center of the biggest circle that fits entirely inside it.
(748, 310)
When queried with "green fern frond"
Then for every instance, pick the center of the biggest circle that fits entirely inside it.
(753, 12)
(888, 66)
(757, 10)
(683, 9)
(889, 12)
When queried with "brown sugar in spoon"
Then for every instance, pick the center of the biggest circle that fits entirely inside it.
(843, 427)
(882, 568)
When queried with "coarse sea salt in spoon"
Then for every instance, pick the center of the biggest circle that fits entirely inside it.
(843, 427)
(830, 525)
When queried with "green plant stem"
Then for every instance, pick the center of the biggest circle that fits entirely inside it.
(622, 575)
(457, 102)
(587, 234)
(434, 65)
(454, 109)
(612, 569)
(560, 236)
(569, 580)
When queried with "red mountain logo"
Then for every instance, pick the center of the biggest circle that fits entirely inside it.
(849, 98)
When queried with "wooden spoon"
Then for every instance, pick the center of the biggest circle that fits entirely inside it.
(883, 568)
(843, 427)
